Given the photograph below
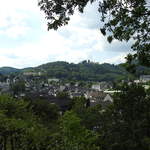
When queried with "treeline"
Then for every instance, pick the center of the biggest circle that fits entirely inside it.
(38, 124)
(84, 71)
(89, 71)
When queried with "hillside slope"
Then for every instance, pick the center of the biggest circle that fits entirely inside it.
(84, 71)
(8, 70)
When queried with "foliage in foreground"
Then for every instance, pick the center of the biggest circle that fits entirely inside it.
(121, 20)
(123, 124)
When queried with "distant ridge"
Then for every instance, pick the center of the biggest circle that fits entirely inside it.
(8, 70)
(83, 71)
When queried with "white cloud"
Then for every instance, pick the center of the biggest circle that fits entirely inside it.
(16, 31)
(75, 42)
(117, 59)
(9, 6)
(52, 46)
(14, 15)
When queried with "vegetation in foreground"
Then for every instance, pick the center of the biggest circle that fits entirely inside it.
(38, 125)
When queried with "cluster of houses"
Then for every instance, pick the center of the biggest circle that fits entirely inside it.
(36, 86)
(143, 79)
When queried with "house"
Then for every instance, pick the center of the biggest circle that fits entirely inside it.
(105, 85)
(62, 88)
(30, 73)
(146, 87)
(137, 81)
(53, 80)
(108, 98)
(4, 87)
(111, 92)
(96, 87)
(101, 86)
(145, 78)
(98, 97)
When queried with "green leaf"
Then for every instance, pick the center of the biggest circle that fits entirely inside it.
(103, 31)
(109, 39)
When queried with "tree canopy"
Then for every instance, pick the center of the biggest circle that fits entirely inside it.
(37, 124)
(122, 20)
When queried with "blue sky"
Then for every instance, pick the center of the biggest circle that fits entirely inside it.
(25, 41)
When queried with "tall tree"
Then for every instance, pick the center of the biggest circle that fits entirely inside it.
(125, 124)
(19, 128)
(123, 20)
(76, 136)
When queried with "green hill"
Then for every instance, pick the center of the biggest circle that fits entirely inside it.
(8, 70)
(83, 71)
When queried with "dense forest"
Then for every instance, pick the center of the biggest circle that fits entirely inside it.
(39, 125)
(83, 71)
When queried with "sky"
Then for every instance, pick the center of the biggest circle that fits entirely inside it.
(26, 42)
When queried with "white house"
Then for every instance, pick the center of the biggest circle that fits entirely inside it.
(96, 87)
(108, 98)
(53, 80)
(62, 88)
(145, 78)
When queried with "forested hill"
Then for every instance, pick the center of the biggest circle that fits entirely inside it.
(8, 70)
(84, 71)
